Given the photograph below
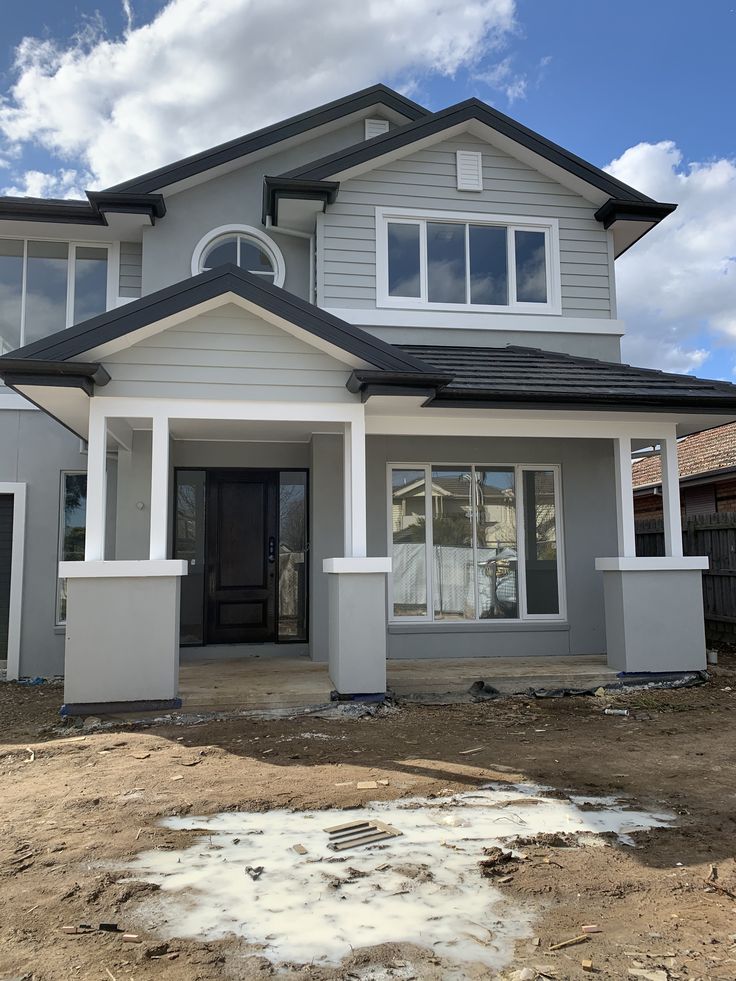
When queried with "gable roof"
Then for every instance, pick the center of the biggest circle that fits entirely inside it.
(530, 377)
(702, 453)
(76, 341)
(197, 163)
(463, 112)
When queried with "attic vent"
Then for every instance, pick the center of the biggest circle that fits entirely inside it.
(469, 171)
(375, 127)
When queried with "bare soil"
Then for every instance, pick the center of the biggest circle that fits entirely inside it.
(75, 805)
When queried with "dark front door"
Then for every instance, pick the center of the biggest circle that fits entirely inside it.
(242, 529)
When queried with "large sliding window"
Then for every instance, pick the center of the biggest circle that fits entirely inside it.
(46, 286)
(475, 542)
(442, 260)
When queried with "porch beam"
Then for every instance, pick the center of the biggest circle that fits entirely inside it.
(671, 497)
(94, 539)
(624, 497)
(354, 488)
(158, 543)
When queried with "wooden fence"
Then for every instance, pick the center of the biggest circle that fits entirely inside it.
(713, 535)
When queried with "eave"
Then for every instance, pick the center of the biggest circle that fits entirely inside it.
(277, 189)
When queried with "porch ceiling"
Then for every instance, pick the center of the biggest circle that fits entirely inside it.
(250, 430)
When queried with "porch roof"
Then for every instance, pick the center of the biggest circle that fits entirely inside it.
(526, 377)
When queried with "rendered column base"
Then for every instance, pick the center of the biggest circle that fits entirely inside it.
(654, 614)
(356, 604)
(122, 635)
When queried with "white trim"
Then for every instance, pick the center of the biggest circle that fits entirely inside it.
(256, 411)
(522, 615)
(124, 569)
(158, 535)
(512, 223)
(666, 563)
(671, 496)
(94, 540)
(463, 320)
(354, 492)
(625, 530)
(247, 231)
(356, 564)
(15, 605)
(550, 424)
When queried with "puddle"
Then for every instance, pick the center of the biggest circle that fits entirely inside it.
(423, 888)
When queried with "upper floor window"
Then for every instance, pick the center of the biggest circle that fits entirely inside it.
(243, 246)
(46, 286)
(443, 260)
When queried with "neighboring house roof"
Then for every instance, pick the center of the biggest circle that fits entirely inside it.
(70, 344)
(702, 453)
(270, 135)
(515, 375)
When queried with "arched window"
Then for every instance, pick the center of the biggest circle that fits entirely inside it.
(243, 246)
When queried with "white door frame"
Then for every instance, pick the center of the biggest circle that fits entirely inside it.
(18, 490)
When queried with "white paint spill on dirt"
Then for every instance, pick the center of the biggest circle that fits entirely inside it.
(424, 887)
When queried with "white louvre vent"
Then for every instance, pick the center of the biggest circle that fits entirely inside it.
(469, 170)
(375, 127)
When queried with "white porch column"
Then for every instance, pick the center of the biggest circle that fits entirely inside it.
(94, 539)
(624, 497)
(159, 488)
(671, 497)
(354, 487)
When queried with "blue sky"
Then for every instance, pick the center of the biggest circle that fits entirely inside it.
(106, 89)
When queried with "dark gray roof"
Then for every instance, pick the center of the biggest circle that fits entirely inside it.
(69, 344)
(516, 375)
(270, 135)
(462, 112)
(93, 211)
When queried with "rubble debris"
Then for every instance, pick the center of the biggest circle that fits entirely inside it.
(497, 863)
(591, 928)
(355, 834)
(572, 942)
(470, 752)
(615, 711)
(299, 849)
(255, 872)
(367, 785)
(587, 965)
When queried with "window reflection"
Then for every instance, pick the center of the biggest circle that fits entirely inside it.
(292, 555)
(403, 259)
(409, 536)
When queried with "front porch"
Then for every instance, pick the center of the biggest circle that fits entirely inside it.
(284, 681)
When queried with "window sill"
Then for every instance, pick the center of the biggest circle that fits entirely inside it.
(477, 626)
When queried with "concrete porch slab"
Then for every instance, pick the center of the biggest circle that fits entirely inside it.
(507, 674)
(284, 681)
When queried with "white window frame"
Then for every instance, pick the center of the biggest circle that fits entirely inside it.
(519, 469)
(247, 231)
(113, 270)
(513, 223)
(60, 539)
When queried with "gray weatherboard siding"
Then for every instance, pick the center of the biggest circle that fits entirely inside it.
(131, 269)
(426, 180)
(228, 354)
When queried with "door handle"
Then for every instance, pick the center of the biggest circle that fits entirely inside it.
(272, 549)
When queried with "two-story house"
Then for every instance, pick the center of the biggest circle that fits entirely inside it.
(350, 383)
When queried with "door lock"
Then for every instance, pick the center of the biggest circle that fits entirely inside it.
(271, 549)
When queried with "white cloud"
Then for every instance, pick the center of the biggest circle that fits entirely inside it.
(203, 72)
(64, 183)
(677, 286)
(506, 79)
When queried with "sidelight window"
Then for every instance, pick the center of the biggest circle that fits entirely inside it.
(474, 543)
(72, 525)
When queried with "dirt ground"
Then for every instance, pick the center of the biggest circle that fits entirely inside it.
(76, 805)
